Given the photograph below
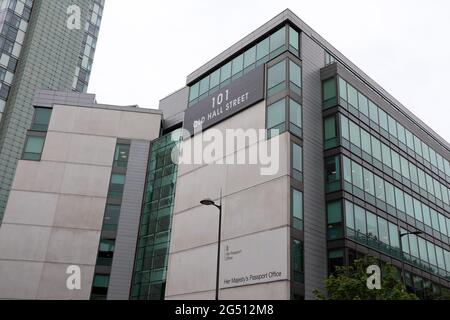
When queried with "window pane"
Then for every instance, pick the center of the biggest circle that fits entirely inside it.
(329, 89)
(214, 79)
(360, 220)
(352, 96)
(347, 170)
(276, 114)
(383, 120)
(225, 72)
(204, 86)
(379, 188)
(297, 208)
(393, 235)
(277, 39)
(376, 148)
(342, 89)
(365, 142)
(383, 230)
(41, 119)
(297, 157)
(373, 112)
(34, 144)
(399, 199)
(345, 128)
(363, 104)
(413, 246)
(334, 212)
(276, 78)
(193, 93)
(295, 113)
(392, 126)
(295, 74)
(354, 134)
(386, 151)
(389, 192)
(262, 49)
(349, 217)
(293, 38)
(237, 64)
(330, 128)
(250, 57)
(423, 249)
(357, 175)
(369, 182)
(117, 178)
(121, 155)
(372, 226)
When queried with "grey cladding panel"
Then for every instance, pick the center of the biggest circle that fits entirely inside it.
(314, 193)
(130, 214)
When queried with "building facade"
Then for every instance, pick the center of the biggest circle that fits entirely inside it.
(39, 51)
(312, 162)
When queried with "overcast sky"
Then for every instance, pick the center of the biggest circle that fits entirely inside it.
(147, 48)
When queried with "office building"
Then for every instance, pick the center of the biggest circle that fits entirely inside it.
(350, 171)
(39, 51)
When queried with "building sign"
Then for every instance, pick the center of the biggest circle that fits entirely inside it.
(258, 258)
(238, 95)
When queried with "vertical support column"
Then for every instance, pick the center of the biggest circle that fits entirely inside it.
(315, 246)
(128, 229)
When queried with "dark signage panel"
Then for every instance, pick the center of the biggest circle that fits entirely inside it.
(238, 95)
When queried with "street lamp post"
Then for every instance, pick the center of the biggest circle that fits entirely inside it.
(400, 236)
(209, 202)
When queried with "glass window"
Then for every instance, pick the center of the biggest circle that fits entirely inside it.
(422, 179)
(386, 151)
(363, 104)
(392, 126)
(373, 112)
(383, 231)
(345, 128)
(401, 133)
(116, 186)
(295, 77)
(405, 167)
(357, 175)
(413, 246)
(372, 226)
(379, 188)
(334, 213)
(399, 199)
(276, 79)
(330, 128)
(434, 219)
(214, 79)
(237, 64)
(405, 242)
(409, 206)
(204, 86)
(352, 96)
(33, 148)
(293, 39)
(389, 192)
(295, 117)
(349, 217)
(121, 155)
(422, 249)
(442, 224)
(418, 210)
(383, 120)
(418, 146)
(369, 186)
(225, 72)
(249, 57)
(277, 40)
(366, 142)
(440, 257)
(262, 50)
(347, 170)
(193, 92)
(297, 209)
(297, 261)
(409, 140)
(376, 148)
(329, 89)
(342, 89)
(276, 115)
(431, 253)
(332, 172)
(41, 119)
(355, 137)
(297, 159)
(393, 235)
(426, 215)
(396, 161)
(360, 220)
(413, 173)
(112, 213)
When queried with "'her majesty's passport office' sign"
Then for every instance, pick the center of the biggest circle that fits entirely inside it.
(231, 99)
